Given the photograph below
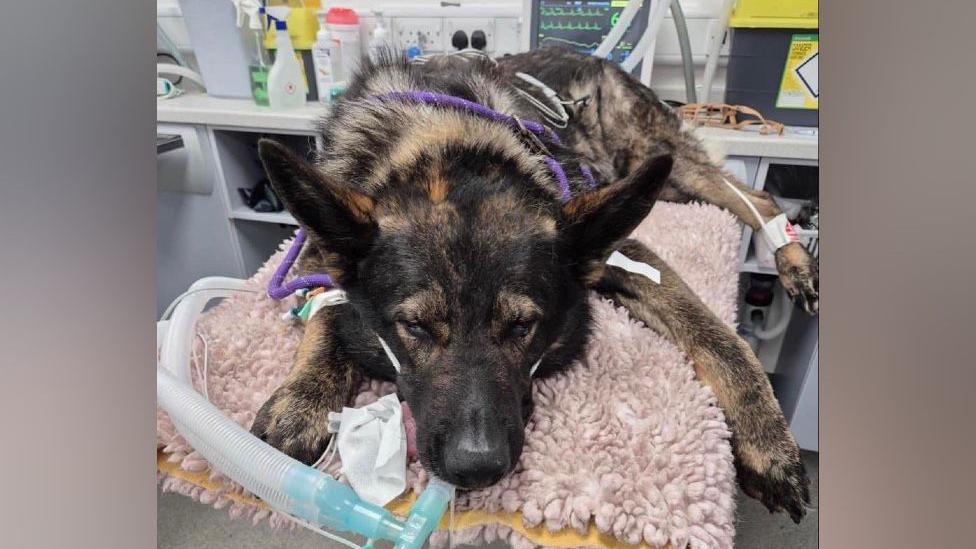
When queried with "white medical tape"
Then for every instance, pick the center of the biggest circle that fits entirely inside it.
(389, 354)
(779, 232)
(618, 259)
(327, 299)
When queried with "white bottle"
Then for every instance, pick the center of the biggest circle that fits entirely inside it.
(343, 26)
(378, 42)
(322, 60)
(286, 85)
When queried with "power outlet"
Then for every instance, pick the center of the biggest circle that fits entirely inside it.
(425, 33)
(469, 25)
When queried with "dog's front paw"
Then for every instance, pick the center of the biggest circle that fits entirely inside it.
(799, 275)
(777, 477)
(293, 425)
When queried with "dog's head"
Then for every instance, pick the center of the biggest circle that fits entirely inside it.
(471, 274)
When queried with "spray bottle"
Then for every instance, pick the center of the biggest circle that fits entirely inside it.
(253, 36)
(286, 82)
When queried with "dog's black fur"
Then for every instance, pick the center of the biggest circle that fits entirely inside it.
(448, 235)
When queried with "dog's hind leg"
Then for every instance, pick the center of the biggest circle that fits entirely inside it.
(767, 458)
(295, 419)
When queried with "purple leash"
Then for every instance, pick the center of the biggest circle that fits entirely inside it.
(278, 289)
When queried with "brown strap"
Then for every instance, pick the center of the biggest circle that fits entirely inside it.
(722, 115)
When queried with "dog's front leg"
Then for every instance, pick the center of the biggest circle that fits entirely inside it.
(767, 458)
(698, 179)
(295, 418)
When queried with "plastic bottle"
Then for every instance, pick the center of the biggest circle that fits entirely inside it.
(378, 42)
(322, 59)
(343, 25)
(286, 85)
(252, 35)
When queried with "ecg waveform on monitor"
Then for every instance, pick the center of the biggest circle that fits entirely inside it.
(583, 24)
(570, 26)
(623, 46)
(572, 12)
(588, 46)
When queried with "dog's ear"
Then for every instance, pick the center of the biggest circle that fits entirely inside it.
(338, 216)
(596, 220)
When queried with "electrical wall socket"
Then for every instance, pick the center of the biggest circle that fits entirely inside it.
(469, 25)
(426, 33)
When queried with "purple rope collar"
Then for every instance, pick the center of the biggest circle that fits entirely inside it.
(278, 289)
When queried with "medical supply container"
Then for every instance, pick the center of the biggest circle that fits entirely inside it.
(773, 59)
(343, 25)
(286, 83)
(322, 61)
(379, 41)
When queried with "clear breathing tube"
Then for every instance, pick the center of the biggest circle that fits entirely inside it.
(282, 482)
(644, 50)
(617, 32)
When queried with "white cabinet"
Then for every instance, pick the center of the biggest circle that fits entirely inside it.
(193, 239)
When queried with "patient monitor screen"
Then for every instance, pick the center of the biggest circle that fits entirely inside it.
(582, 24)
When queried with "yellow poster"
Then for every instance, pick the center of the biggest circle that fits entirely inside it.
(800, 87)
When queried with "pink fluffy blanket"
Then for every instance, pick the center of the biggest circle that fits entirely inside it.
(627, 440)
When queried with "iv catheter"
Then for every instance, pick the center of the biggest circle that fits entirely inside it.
(283, 483)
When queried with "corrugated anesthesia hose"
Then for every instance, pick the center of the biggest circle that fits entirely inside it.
(287, 484)
(282, 482)
(687, 62)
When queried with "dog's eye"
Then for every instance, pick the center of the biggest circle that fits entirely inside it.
(520, 329)
(416, 330)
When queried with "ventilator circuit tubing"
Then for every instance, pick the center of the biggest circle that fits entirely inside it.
(287, 484)
(282, 482)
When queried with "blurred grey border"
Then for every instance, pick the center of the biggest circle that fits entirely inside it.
(77, 188)
(898, 262)
(76, 240)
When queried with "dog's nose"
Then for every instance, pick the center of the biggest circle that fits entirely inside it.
(476, 450)
(473, 460)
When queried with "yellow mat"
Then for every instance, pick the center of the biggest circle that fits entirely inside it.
(539, 535)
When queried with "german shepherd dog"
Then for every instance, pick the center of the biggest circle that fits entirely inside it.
(448, 234)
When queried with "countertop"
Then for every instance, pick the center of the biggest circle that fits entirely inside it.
(796, 143)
